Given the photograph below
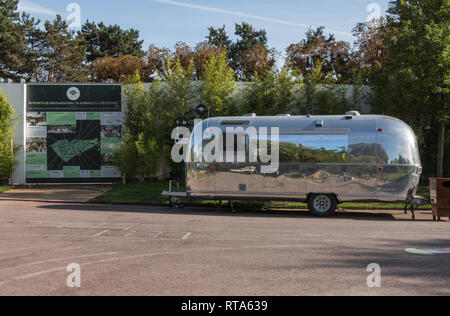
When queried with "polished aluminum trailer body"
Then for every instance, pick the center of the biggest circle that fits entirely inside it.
(352, 157)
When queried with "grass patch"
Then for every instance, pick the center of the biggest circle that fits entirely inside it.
(150, 194)
(139, 194)
(145, 193)
(4, 189)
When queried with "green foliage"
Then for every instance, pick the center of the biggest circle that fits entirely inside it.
(414, 83)
(63, 54)
(333, 56)
(110, 41)
(34, 48)
(11, 39)
(151, 116)
(218, 88)
(219, 38)
(248, 54)
(4, 189)
(322, 94)
(177, 91)
(275, 94)
(6, 133)
(138, 154)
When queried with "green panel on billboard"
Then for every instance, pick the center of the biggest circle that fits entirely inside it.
(67, 150)
(93, 116)
(61, 118)
(110, 145)
(71, 172)
(38, 174)
(36, 159)
(112, 140)
(95, 174)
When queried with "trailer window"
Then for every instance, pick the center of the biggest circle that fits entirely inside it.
(314, 148)
(235, 147)
(366, 153)
(399, 149)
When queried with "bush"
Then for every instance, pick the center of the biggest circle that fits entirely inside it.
(6, 133)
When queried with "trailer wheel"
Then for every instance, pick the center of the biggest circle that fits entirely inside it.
(322, 205)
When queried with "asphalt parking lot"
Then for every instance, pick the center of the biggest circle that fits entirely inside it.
(128, 250)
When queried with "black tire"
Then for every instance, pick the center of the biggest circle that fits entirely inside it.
(322, 205)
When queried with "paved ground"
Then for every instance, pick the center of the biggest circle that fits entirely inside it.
(125, 250)
(56, 193)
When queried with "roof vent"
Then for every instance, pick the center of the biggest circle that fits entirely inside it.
(250, 115)
(319, 123)
(351, 114)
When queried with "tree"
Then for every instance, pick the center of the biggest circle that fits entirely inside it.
(218, 89)
(256, 61)
(64, 54)
(138, 153)
(183, 54)
(117, 69)
(274, 94)
(414, 83)
(197, 57)
(6, 133)
(322, 94)
(155, 62)
(370, 46)
(11, 40)
(248, 54)
(110, 41)
(219, 38)
(172, 101)
(317, 47)
(34, 48)
(203, 53)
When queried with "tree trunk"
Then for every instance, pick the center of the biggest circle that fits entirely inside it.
(441, 144)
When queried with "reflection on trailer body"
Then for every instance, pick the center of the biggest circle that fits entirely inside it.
(353, 157)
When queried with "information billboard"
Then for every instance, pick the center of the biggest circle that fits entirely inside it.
(73, 132)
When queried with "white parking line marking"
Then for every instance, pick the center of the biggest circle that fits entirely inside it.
(99, 225)
(157, 235)
(132, 226)
(128, 235)
(103, 232)
(28, 276)
(187, 236)
(42, 249)
(70, 258)
(60, 259)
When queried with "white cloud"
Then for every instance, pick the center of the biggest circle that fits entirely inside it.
(245, 15)
(30, 7)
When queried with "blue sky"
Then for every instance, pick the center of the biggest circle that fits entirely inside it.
(164, 22)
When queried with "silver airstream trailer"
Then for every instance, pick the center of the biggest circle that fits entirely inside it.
(323, 160)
